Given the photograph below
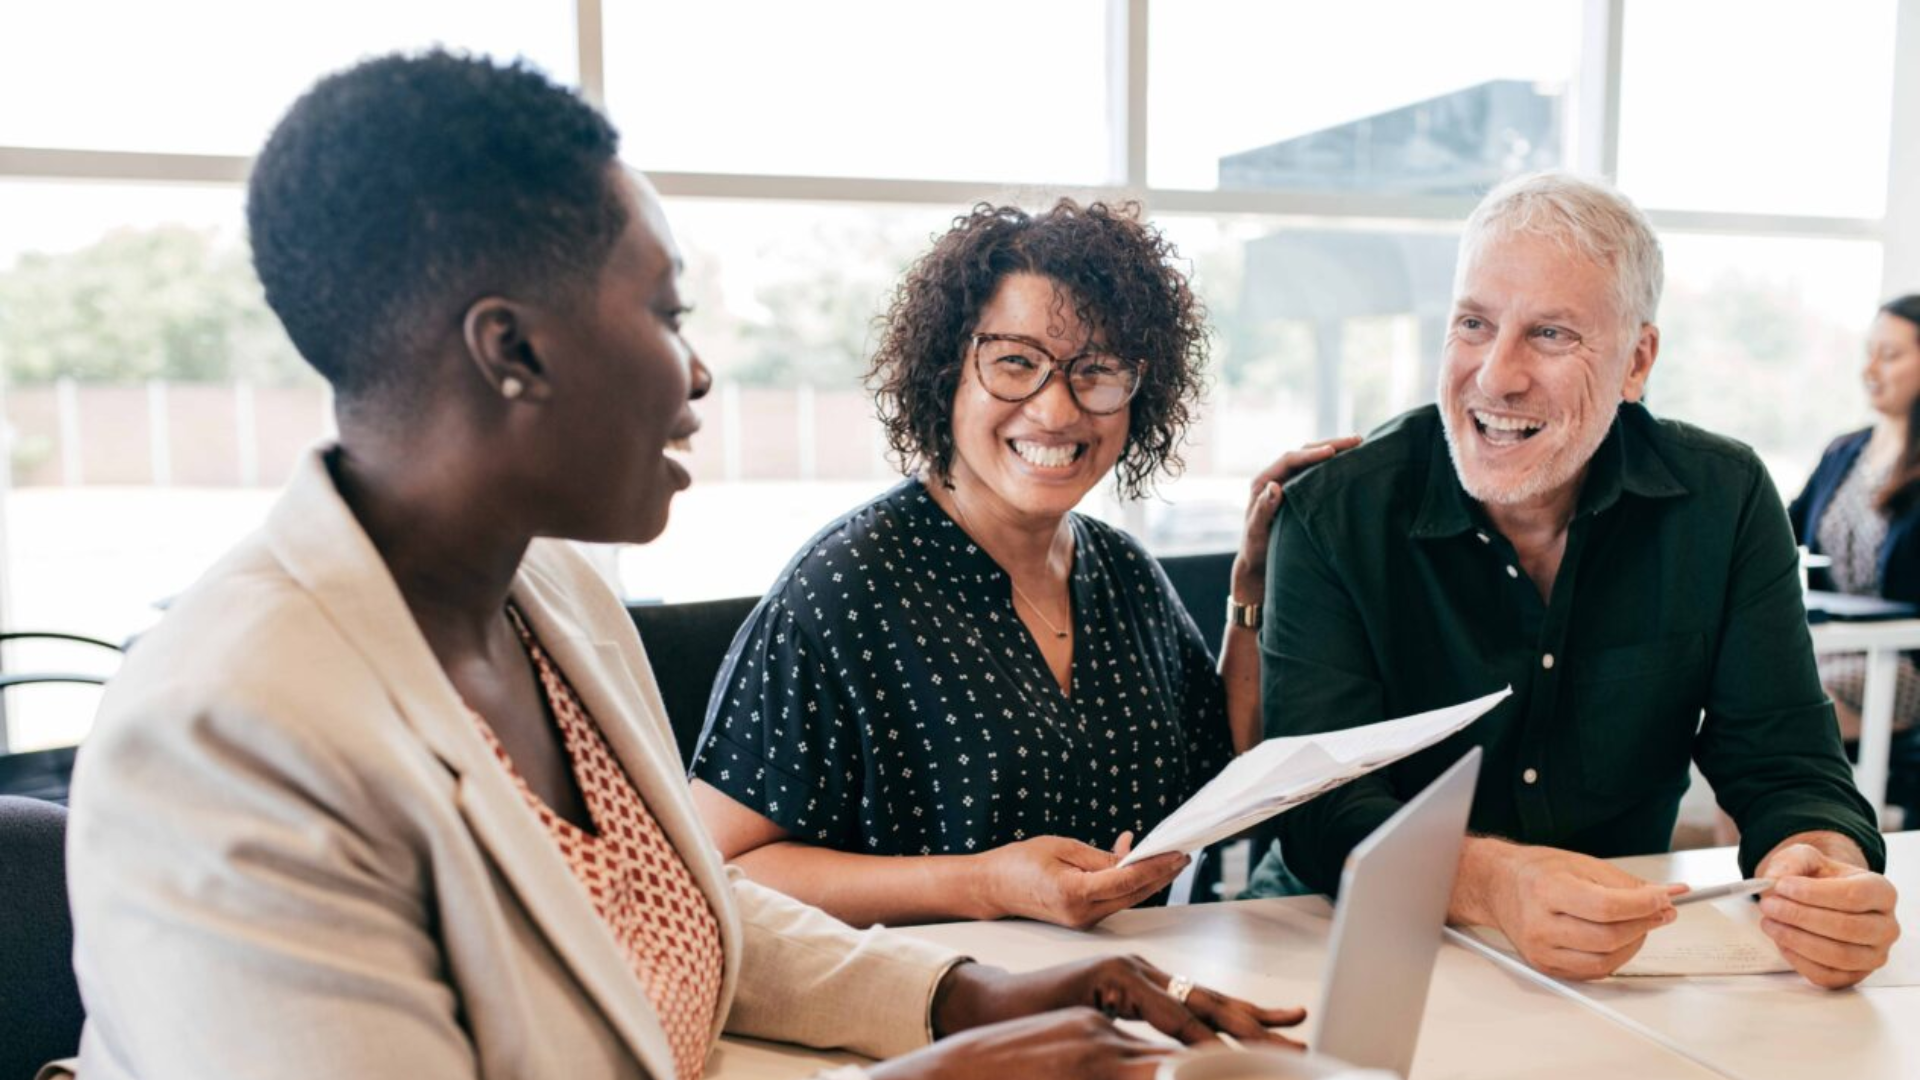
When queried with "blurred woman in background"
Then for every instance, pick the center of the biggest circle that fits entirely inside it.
(1860, 509)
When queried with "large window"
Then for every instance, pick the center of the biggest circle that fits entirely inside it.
(152, 406)
(1312, 163)
(1770, 108)
(785, 295)
(1377, 95)
(212, 76)
(1762, 338)
(994, 90)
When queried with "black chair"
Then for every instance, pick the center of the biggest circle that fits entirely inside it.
(1903, 780)
(40, 1010)
(686, 643)
(38, 774)
(54, 635)
(44, 774)
(1203, 583)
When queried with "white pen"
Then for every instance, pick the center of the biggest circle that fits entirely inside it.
(1749, 887)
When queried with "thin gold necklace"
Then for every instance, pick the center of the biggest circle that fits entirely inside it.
(967, 524)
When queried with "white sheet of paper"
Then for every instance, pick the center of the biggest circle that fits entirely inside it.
(1705, 940)
(1708, 940)
(1285, 772)
(1734, 944)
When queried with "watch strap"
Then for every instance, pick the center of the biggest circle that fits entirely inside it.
(1239, 614)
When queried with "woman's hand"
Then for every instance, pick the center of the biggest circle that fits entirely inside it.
(1068, 1042)
(1263, 502)
(1068, 883)
(1125, 987)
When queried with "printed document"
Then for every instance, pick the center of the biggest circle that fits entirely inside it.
(1285, 772)
(1722, 937)
(1719, 937)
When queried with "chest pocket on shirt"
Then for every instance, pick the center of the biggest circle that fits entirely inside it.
(1635, 711)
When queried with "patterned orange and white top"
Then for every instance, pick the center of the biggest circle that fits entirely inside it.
(639, 884)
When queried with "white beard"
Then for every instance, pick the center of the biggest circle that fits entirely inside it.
(1560, 468)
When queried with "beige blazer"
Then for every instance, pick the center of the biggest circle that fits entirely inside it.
(292, 855)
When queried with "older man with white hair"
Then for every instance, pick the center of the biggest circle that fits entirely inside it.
(1540, 527)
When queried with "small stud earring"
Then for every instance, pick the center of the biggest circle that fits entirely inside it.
(511, 387)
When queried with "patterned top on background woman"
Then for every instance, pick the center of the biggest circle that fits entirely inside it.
(1851, 532)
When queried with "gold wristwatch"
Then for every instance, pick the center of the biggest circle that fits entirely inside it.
(1239, 614)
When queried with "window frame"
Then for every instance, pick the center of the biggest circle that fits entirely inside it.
(1592, 145)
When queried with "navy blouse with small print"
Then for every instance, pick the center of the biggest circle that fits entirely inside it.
(885, 698)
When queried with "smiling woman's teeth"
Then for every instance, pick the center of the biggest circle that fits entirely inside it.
(1046, 457)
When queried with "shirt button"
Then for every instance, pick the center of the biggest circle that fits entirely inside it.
(1512, 573)
(1483, 538)
(1547, 661)
(1531, 776)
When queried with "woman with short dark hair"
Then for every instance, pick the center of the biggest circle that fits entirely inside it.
(389, 792)
(960, 696)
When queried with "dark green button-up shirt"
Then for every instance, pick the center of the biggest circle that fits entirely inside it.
(1390, 593)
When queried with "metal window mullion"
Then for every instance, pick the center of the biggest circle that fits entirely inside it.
(1127, 125)
(1593, 137)
(89, 165)
(950, 192)
(1900, 267)
(1779, 226)
(40, 163)
(590, 44)
(1127, 93)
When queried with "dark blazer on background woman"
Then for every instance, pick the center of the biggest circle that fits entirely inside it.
(1899, 553)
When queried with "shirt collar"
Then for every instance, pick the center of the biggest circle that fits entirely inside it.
(1626, 462)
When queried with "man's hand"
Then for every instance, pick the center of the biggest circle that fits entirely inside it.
(1057, 880)
(1570, 916)
(1122, 987)
(1832, 921)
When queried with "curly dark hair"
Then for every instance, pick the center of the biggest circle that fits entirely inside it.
(1121, 277)
(397, 192)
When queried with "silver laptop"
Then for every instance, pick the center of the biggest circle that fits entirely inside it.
(1387, 927)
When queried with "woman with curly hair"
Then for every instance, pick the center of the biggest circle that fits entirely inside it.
(957, 697)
